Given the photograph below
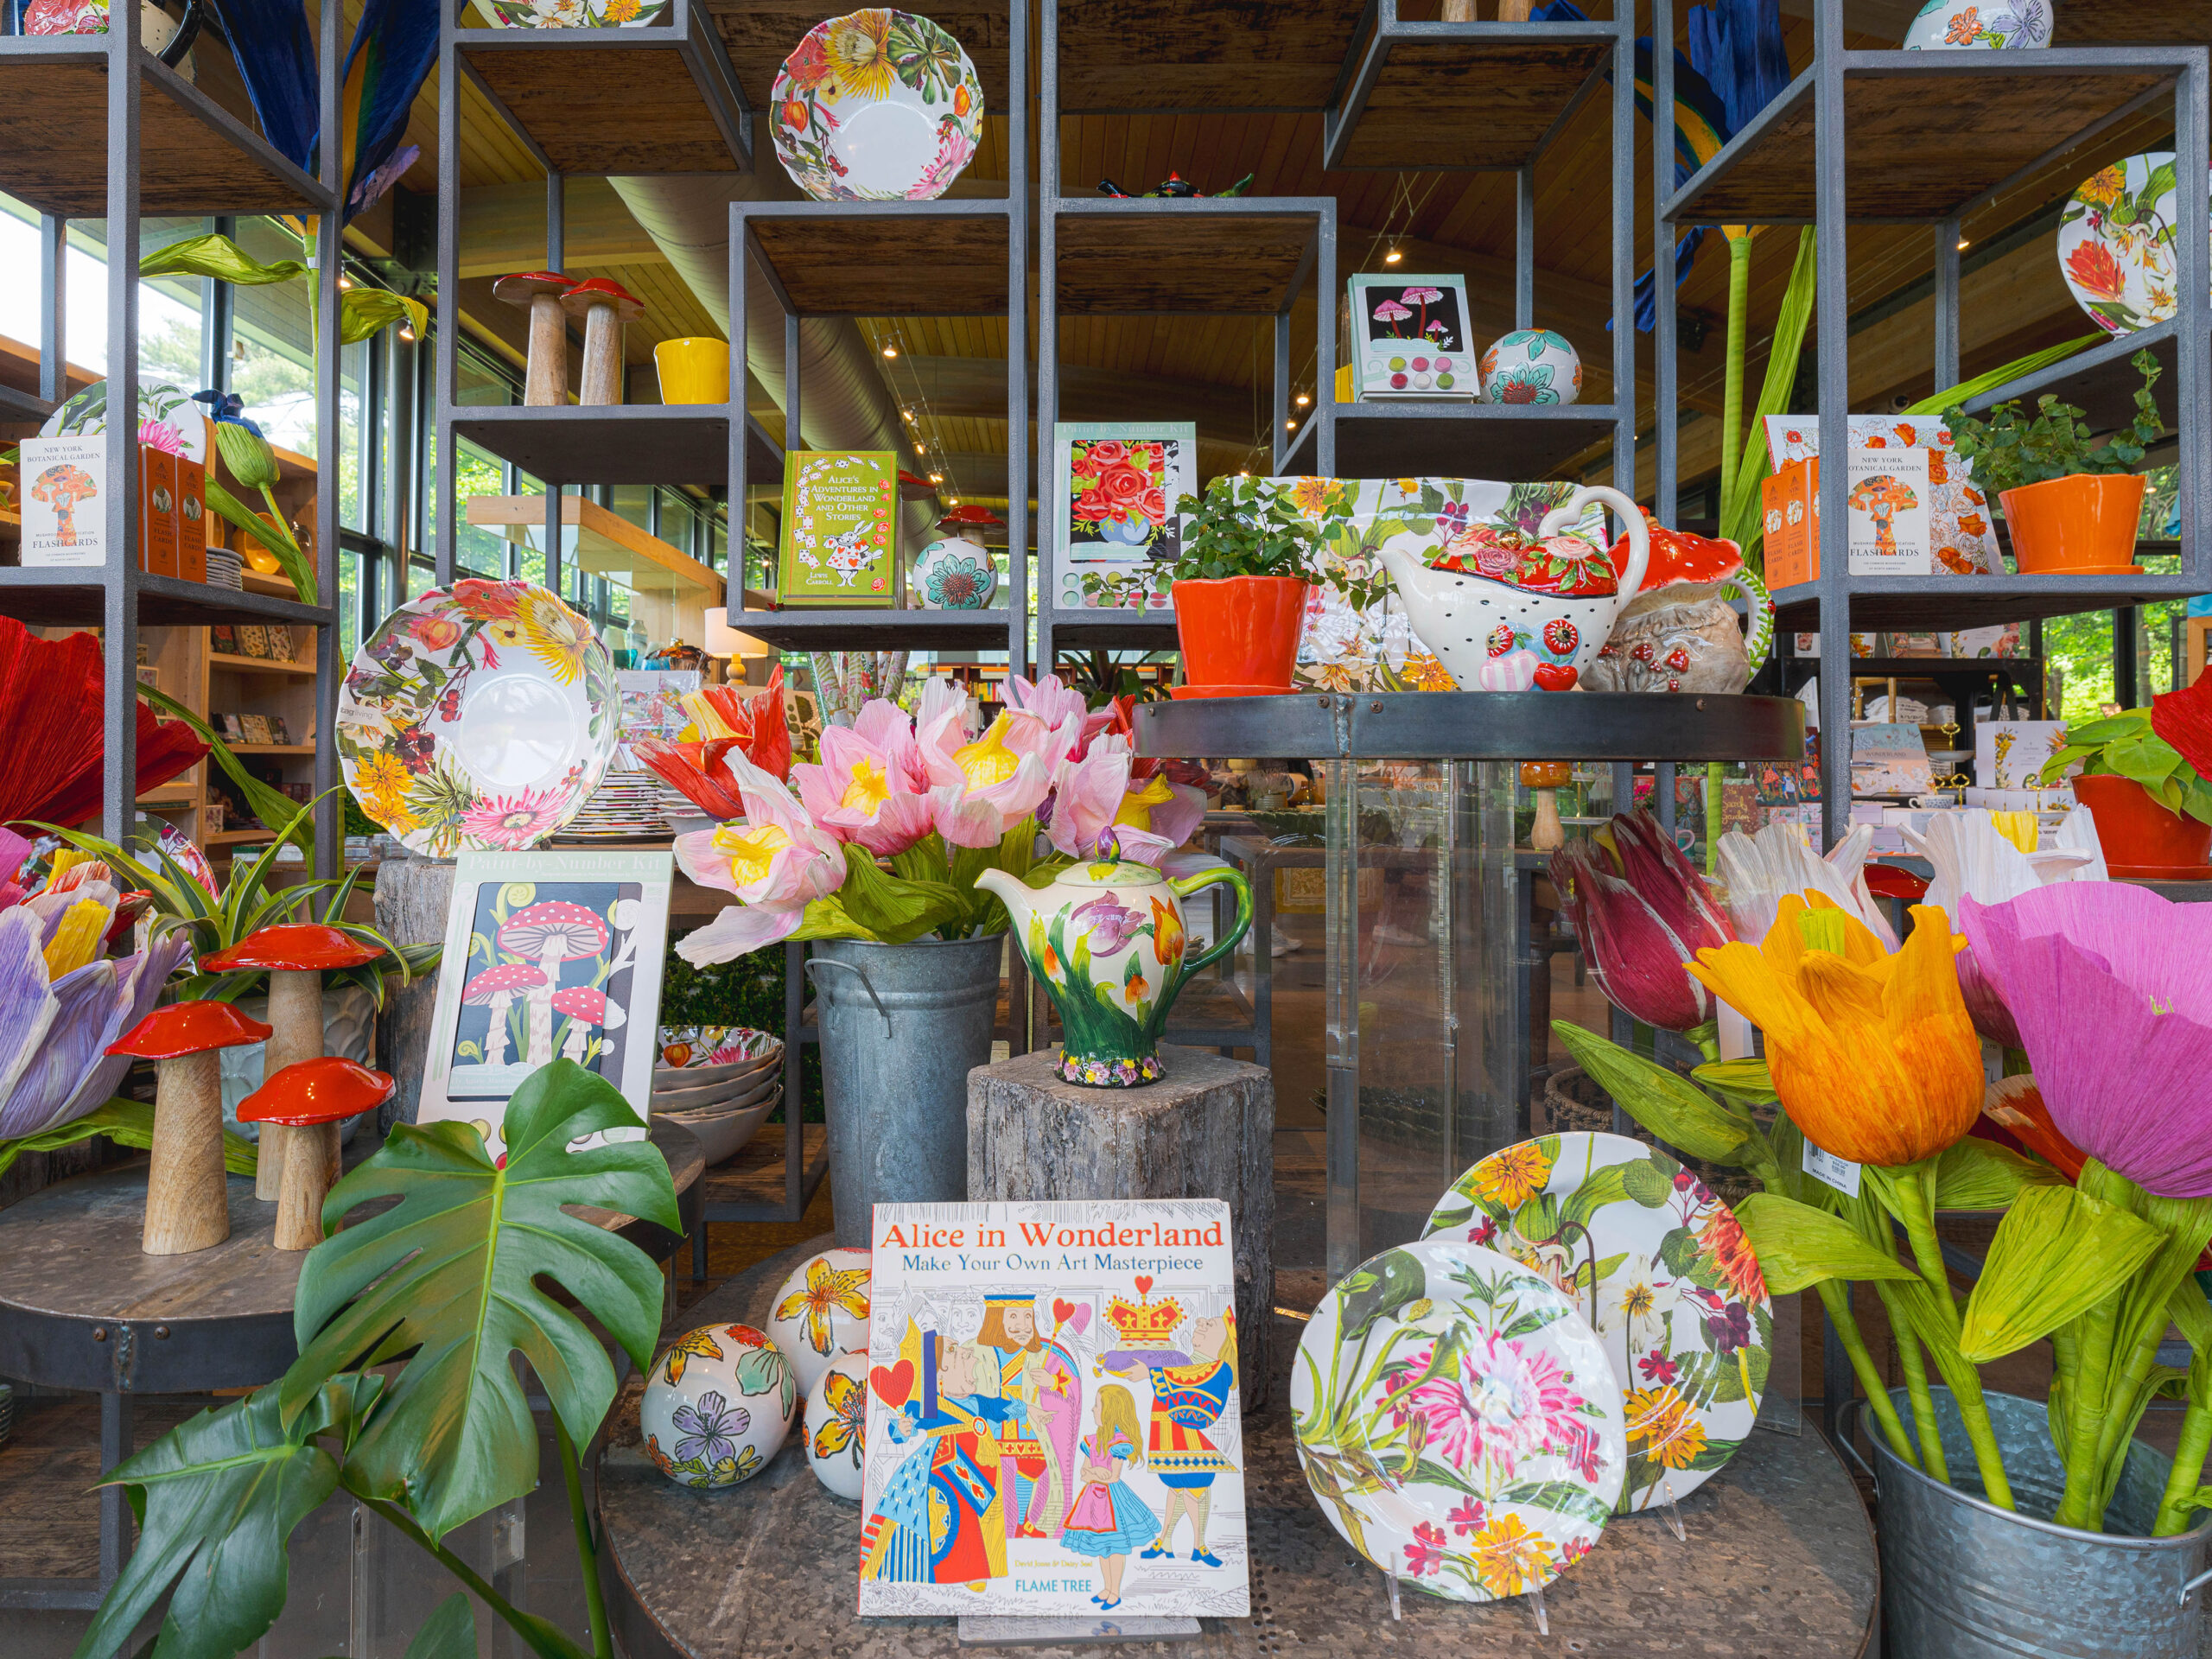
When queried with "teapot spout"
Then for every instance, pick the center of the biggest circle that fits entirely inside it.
(1007, 889)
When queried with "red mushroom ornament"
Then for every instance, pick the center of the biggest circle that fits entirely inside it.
(311, 1099)
(604, 305)
(545, 373)
(1679, 632)
(294, 954)
(188, 1202)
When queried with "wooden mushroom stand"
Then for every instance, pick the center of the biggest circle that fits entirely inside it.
(311, 1098)
(545, 373)
(187, 1206)
(605, 306)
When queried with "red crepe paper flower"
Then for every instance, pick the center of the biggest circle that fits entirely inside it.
(51, 710)
(2184, 718)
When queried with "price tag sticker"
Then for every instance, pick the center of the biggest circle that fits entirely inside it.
(1838, 1172)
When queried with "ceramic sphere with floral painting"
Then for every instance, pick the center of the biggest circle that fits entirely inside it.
(820, 1312)
(717, 1406)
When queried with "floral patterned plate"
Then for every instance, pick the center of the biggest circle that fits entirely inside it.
(573, 13)
(168, 418)
(478, 718)
(2117, 243)
(877, 106)
(1459, 1420)
(1659, 1266)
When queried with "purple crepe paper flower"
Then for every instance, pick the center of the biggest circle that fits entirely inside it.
(2111, 988)
(709, 1430)
(1112, 924)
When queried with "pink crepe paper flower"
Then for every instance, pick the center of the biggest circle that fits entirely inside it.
(1642, 912)
(775, 860)
(2111, 988)
(1100, 809)
(872, 786)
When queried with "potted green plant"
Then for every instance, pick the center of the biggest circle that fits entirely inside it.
(2071, 507)
(2152, 806)
(1250, 558)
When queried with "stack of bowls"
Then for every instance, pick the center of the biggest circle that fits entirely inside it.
(722, 1103)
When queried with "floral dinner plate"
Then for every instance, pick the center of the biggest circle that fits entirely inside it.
(478, 718)
(1459, 1420)
(877, 106)
(573, 13)
(2118, 245)
(168, 418)
(1659, 1266)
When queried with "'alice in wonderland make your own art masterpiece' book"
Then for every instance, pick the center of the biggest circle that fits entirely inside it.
(1053, 1414)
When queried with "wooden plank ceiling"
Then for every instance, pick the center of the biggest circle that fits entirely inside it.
(1218, 369)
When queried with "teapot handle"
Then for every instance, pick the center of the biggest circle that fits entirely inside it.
(1639, 534)
(1189, 884)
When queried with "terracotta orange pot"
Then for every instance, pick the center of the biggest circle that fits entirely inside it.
(2082, 523)
(1240, 630)
(2138, 831)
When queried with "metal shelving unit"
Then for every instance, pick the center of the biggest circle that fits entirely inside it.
(96, 127)
(1952, 131)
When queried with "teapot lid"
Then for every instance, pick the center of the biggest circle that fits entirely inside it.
(1105, 873)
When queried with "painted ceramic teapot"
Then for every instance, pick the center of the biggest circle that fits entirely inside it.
(1504, 612)
(1107, 942)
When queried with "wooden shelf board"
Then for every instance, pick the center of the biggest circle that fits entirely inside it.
(240, 838)
(1485, 98)
(758, 35)
(1514, 440)
(278, 587)
(604, 545)
(1929, 603)
(1203, 56)
(272, 748)
(1171, 257)
(46, 596)
(629, 103)
(2130, 22)
(629, 443)
(193, 157)
(889, 259)
(842, 629)
(258, 665)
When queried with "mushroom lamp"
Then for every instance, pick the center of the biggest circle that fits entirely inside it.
(604, 305)
(1681, 632)
(294, 954)
(1545, 778)
(545, 376)
(188, 1206)
(495, 989)
(311, 1099)
(550, 934)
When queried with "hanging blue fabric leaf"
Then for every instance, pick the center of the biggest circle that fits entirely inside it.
(276, 58)
(1736, 46)
(393, 49)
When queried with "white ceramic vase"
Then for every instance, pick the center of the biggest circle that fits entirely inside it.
(820, 1312)
(718, 1404)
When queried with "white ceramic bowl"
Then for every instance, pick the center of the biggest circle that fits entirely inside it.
(722, 1135)
(718, 1097)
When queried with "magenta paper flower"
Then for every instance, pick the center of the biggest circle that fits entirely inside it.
(1642, 912)
(2111, 988)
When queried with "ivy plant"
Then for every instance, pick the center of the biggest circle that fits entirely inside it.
(2013, 448)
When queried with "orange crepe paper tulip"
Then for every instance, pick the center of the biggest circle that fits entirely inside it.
(1873, 1055)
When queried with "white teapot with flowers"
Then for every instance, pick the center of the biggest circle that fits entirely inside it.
(1505, 611)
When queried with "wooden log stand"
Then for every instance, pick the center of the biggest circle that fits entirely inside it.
(1206, 1130)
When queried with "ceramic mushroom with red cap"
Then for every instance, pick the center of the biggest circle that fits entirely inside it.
(1679, 632)
(587, 1010)
(546, 374)
(295, 955)
(496, 988)
(1544, 779)
(188, 1206)
(550, 933)
(310, 1099)
(604, 305)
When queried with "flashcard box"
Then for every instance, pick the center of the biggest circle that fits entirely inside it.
(157, 518)
(191, 518)
(1888, 503)
(2008, 754)
(64, 484)
(1051, 1387)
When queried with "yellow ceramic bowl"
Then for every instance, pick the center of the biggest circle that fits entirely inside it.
(694, 370)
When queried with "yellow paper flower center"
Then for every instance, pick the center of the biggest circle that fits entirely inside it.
(869, 789)
(988, 760)
(750, 850)
(1137, 804)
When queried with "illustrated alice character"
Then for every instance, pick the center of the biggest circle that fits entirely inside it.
(1189, 1394)
(1043, 1376)
(1108, 1520)
(940, 1519)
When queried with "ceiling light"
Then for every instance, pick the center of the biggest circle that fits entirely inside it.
(1962, 244)
(1244, 474)
(890, 350)
(906, 414)
(407, 331)
(344, 281)
(1392, 257)
(1290, 426)
(1302, 400)
(937, 477)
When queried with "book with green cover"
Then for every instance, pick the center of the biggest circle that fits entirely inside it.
(839, 544)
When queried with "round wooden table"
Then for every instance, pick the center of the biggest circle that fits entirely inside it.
(1780, 1560)
(82, 1307)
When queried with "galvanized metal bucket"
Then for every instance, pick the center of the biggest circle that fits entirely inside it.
(902, 1027)
(1964, 1579)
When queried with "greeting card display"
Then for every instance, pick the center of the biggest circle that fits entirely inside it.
(840, 528)
(1053, 1416)
(1115, 487)
(2008, 754)
(1889, 758)
(547, 954)
(1408, 338)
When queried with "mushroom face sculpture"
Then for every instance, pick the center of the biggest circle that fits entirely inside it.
(496, 988)
(550, 934)
(545, 376)
(294, 954)
(311, 1099)
(188, 1208)
(605, 306)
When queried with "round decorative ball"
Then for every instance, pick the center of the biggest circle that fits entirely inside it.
(717, 1406)
(820, 1312)
(1531, 365)
(836, 1417)
(953, 575)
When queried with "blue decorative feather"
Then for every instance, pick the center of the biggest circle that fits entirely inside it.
(393, 49)
(276, 58)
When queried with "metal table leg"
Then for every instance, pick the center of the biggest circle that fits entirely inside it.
(115, 1509)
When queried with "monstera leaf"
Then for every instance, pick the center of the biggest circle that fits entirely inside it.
(216, 1499)
(449, 1633)
(455, 1275)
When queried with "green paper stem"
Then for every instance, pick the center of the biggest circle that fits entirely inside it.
(2176, 1508)
(1836, 1297)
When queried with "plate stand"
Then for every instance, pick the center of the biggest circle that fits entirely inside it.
(1390, 1584)
(987, 1630)
(1536, 1599)
(1672, 1510)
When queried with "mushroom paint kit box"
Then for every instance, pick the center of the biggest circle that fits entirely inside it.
(1054, 1422)
(63, 499)
(547, 955)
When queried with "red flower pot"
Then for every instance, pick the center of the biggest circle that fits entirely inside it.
(1240, 630)
(2084, 522)
(2138, 831)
